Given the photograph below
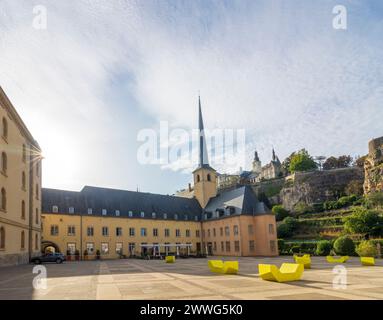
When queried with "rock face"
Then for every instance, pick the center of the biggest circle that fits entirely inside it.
(318, 186)
(373, 167)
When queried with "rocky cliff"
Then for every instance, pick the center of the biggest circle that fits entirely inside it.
(373, 167)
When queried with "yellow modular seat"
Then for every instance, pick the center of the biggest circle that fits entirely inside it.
(215, 266)
(305, 260)
(287, 272)
(230, 267)
(332, 259)
(367, 261)
(170, 259)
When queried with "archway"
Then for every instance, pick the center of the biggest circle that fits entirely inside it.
(49, 246)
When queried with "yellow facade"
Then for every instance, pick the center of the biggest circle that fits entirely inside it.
(20, 184)
(205, 185)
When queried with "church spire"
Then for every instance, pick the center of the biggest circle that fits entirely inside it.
(203, 156)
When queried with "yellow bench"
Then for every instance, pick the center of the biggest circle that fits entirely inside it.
(342, 259)
(305, 260)
(287, 272)
(367, 261)
(228, 267)
(170, 259)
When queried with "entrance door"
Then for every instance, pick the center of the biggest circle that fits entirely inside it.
(210, 248)
(198, 247)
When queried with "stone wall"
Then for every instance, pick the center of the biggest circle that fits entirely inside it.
(318, 186)
(373, 167)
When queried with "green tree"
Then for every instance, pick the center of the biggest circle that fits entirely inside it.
(302, 161)
(366, 249)
(280, 212)
(344, 246)
(335, 163)
(363, 221)
(323, 248)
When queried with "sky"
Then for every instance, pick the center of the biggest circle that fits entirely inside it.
(103, 71)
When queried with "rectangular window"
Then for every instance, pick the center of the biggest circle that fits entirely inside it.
(118, 231)
(250, 229)
(119, 247)
(167, 232)
(105, 231)
(227, 231)
(271, 228)
(222, 246)
(208, 233)
(236, 246)
(221, 231)
(131, 232)
(90, 231)
(71, 230)
(143, 232)
(235, 230)
(197, 233)
(54, 230)
(71, 247)
(214, 234)
(272, 246)
(187, 233)
(104, 248)
(227, 246)
(178, 233)
(215, 246)
(155, 232)
(251, 245)
(90, 247)
(132, 248)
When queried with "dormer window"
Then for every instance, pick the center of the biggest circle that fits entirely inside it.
(117, 212)
(104, 212)
(55, 209)
(153, 215)
(71, 209)
(130, 214)
(205, 216)
(176, 216)
(165, 215)
(196, 218)
(142, 214)
(90, 210)
(185, 217)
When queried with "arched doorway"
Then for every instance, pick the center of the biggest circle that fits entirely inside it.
(49, 247)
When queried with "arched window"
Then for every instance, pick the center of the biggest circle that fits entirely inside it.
(3, 199)
(5, 128)
(4, 162)
(36, 241)
(22, 240)
(24, 153)
(23, 181)
(198, 178)
(208, 177)
(2, 238)
(23, 209)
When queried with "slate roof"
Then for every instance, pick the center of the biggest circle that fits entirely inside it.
(122, 200)
(242, 201)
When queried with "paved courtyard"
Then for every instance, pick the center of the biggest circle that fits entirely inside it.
(187, 279)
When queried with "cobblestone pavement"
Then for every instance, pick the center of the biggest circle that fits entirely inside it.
(187, 279)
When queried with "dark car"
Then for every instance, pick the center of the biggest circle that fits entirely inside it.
(49, 257)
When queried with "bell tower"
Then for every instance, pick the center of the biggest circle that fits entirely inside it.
(205, 177)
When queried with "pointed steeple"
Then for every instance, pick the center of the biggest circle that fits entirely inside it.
(256, 158)
(274, 158)
(203, 156)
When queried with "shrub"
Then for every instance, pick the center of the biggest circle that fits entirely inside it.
(323, 248)
(302, 208)
(374, 199)
(363, 221)
(284, 231)
(281, 245)
(346, 201)
(366, 249)
(295, 249)
(280, 212)
(344, 246)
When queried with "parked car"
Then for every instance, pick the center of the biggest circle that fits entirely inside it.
(49, 257)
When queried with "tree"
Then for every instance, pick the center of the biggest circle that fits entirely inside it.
(287, 227)
(286, 164)
(366, 249)
(363, 221)
(335, 163)
(359, 161)
(375, 199)
(344, 246)
(302, 161)
(280, 212)
(323, 248)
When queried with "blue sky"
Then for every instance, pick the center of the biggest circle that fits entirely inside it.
(104, 70)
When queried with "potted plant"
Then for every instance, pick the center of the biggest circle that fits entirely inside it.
(77, 255)
(98, 254)
(68, 255)
(85, 254)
